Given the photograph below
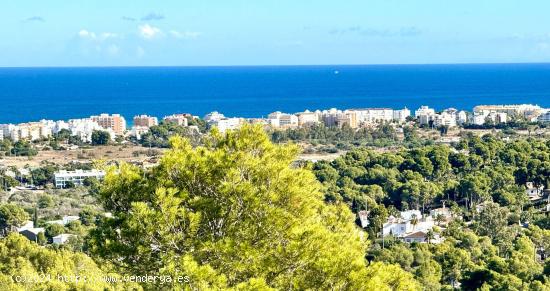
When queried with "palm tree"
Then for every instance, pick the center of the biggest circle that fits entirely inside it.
(430, 235)
(414, 221)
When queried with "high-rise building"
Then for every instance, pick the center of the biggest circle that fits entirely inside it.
(145, 121)
(115, 122)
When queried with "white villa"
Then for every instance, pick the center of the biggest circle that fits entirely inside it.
(408, 226)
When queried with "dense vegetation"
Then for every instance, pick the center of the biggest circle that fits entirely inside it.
(332, 139)
(494, 251)
(159, 135)
(100, 137)
(237, 212)
(27, 266)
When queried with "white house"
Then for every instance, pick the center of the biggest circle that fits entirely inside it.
(26, 225)
(364, 218)
(396, 228)
(421, 237)
(409, 221)
(77, 177)
(533, 192)
(410, 214)
(70, 218)
(62, 238)
(138, 131)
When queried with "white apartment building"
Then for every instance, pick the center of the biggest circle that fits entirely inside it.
(226, 124)
(221, 122)
(445, 118)
(59, 125)
(528, 111)
(461, 117)
(308, 117)
(478, 118)
(284, 119)
(401, 115)
(84, 128)
(544, 117)
(76, 177)
(373, 115)
(481, 117)
(7, 129)
(498, 117)
(424, 110)
(425, 115)
(26, 131)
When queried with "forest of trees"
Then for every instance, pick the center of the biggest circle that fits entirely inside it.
(238, 212)
(494, 249)
(333, 139)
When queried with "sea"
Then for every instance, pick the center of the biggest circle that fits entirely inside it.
(31, 94)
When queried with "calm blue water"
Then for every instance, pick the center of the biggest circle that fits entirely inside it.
(61, 93)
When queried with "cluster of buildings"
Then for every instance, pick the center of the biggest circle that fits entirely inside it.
(481, 115)
(115, 124)
(502, 113)
(450, 117)
(365, 117)
(353, 118)
(221, 122)
(412, 226)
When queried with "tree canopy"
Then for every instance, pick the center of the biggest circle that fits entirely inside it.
(26, 266)
(235, 213)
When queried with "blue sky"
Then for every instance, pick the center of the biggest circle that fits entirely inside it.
(262, 32)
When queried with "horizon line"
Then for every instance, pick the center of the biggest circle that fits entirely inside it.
(273, 65)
